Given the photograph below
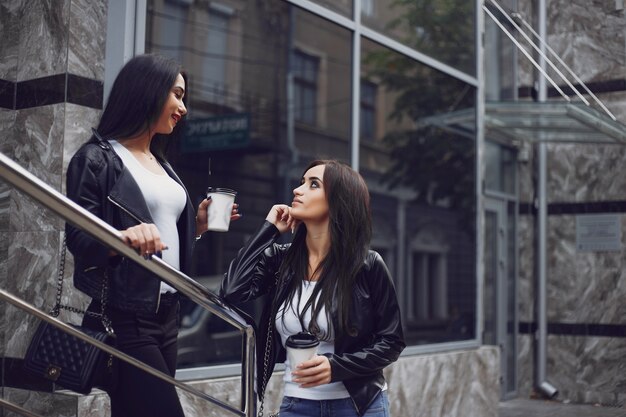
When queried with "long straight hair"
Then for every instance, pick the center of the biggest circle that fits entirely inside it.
(350, 234)
(137, 98)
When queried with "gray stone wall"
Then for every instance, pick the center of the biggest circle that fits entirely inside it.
(463, 383)
(583, 287)
(40, 39)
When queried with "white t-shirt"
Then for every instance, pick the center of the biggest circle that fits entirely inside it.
(166, 201)
(291, 325)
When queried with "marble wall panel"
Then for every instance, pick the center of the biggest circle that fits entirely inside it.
(32, 270)
(448, 384)
(88, 24)
(589, 37)
(583, 287)
(44, 30)
(526, 269)
(41, 403)
(95, 405)
(78, 123)
(39, 149)
(7, 132)
(451, 384)
(525, 365)
(526, 175)
(587, 369)
(4, 255)
(9, 33)
(525, 69)
(582, 173)
(616, 103)
(7, 119)
(462, 383)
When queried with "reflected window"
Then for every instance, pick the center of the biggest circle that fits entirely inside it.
(214, 65)
(343, 7)
(500, 168)
(428, 299)
(368, 110)
(305, 73)
(444, 30)
(367, 8)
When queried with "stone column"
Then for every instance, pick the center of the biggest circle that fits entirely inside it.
(51, 72)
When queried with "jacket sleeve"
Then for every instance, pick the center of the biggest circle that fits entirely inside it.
(387, 340)
(252, 272)
(83, 188)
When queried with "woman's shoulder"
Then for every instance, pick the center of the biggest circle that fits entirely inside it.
(373, 258)
(375, 267)
(92, 153)
(89, 150)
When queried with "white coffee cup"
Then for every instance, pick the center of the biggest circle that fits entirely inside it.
(301, 347)
(220, 209)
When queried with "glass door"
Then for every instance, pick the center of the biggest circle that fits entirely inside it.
(500, 326)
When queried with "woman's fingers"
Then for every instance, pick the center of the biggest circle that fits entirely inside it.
(234, 214)
(278, 217)
(313, 372)
(145, 238)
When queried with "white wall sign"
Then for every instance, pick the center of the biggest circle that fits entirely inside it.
(598, 232)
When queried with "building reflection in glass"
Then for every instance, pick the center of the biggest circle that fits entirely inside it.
(270, 89)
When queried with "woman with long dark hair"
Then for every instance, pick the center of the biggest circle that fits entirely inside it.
(329, 284)
(121, 175)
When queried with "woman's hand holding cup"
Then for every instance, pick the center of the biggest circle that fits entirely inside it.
(202, 218)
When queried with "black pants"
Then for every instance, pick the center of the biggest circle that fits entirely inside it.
(152, 339)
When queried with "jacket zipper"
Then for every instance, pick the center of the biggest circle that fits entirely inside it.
(125, 210)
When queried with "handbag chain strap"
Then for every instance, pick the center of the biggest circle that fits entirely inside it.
(266, 356)
(106, 322)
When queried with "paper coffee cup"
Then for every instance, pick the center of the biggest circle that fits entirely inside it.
(220, 209)
(301, 347)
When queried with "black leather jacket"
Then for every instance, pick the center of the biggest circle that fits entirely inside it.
(98, 181)
(358, 361)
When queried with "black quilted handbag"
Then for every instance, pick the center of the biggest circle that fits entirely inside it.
(67, 360)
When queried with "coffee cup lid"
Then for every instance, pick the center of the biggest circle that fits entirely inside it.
(220, 190)
(302, 340)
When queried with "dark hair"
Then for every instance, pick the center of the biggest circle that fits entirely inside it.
(350, 233)
(137, 98)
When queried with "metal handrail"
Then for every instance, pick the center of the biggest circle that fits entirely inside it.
(21, 179)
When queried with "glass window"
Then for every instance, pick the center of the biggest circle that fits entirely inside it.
(238, 132)
(444, 30)
(500, 168)
(305, 75)
(367, 8)
(368, 110)
(500, 61)
(343, 7)
(421, 173)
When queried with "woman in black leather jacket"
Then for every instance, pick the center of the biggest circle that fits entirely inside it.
(326, 282)
(121, 176)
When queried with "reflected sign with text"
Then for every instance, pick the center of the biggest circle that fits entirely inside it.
(217, 133)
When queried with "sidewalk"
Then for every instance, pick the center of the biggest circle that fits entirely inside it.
(543, 408)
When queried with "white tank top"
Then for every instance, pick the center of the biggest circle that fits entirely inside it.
(291, 325)
(166, 201)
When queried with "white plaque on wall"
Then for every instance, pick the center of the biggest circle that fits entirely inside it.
(598, 232)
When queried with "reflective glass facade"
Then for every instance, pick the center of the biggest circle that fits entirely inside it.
(271, 87)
